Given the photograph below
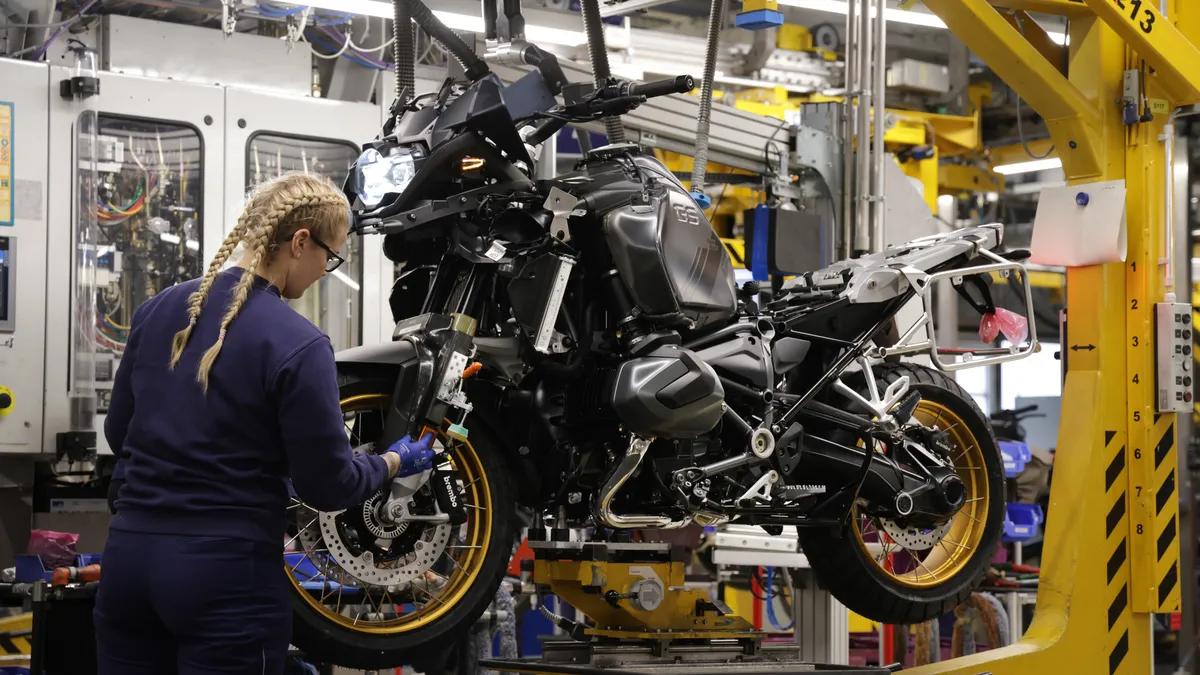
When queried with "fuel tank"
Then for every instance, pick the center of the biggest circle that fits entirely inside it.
(668, 393)
(671, 260)
(663, 247)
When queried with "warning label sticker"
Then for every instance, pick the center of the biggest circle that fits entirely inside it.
(6, 163)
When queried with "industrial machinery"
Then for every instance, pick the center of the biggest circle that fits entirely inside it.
(272, 133)
(150, 221)
(580, 347)
(168, 164)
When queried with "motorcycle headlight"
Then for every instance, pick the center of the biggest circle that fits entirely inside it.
(377, 176)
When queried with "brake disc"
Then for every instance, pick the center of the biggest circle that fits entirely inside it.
(341, 563)
(363, 566)
(915, 538)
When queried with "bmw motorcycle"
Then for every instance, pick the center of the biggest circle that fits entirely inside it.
(580, 348)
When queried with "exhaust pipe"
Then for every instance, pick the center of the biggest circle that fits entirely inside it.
(612, 485)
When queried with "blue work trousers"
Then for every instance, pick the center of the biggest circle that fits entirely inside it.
(188, 605)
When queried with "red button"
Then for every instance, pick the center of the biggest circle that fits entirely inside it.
(1187, 397)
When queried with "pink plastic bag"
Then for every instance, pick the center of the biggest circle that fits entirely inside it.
(56, 549)
(1014, 326)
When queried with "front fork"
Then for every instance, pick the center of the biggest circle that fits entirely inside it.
(429, 392)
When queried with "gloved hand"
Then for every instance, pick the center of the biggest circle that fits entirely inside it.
(407, 457)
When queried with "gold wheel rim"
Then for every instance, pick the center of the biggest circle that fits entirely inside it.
(392, 612)
(947, 558)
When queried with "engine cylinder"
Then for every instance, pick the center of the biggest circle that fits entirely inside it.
(668, 393)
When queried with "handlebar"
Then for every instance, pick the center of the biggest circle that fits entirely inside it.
(617, 98)
(675, 85)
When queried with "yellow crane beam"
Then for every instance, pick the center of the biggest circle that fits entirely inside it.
(1069, 8)
(1172, 55)
(954, 179)
(1111, 552)
(1071, 114)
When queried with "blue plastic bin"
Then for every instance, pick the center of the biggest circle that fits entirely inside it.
(310, 577)
(1021, 521)
(29, 568)
(1016, 455)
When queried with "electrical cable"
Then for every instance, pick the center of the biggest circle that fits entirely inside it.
(1021, 131)
(279, 12)
(56, 24)
(79, 16)
(360, 59)
(344, 38)
(770, 602)
(767, 149)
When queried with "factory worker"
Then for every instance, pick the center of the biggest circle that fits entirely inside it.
(223, 394)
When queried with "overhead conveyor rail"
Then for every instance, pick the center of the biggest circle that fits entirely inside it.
(739, 139)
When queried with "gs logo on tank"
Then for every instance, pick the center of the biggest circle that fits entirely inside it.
(687, 214)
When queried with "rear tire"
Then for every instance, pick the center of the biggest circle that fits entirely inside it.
(324, 640)
(840, 559)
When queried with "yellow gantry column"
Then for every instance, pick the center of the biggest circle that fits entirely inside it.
(1110, 557)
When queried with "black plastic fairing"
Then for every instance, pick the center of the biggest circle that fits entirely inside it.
(741, 356)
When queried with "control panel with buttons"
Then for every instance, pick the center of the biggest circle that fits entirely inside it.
(1173, 356)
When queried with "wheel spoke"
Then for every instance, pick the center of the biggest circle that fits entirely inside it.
(431, 595)
(922, 564)
(289, 542)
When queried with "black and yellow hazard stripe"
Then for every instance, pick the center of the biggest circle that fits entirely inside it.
(1196, 367)
(1116, 528)
(1166, 515)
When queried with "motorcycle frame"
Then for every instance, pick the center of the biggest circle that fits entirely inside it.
(909, 344)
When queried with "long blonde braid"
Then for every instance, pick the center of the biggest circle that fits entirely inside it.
(275, 212)
(197, 298)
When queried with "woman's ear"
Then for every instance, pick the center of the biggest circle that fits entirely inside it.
(297, 242)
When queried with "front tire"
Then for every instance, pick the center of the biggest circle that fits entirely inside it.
(884, 584)
(424, 629)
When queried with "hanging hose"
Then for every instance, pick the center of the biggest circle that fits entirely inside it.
(593, 27)
(403, 50)
(716, 19)
(433, 26)
(769, 592)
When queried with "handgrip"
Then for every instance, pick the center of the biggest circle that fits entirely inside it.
(675, 85)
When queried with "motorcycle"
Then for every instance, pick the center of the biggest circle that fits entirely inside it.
(580, 348)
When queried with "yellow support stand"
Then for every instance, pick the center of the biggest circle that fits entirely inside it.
(1111, 553)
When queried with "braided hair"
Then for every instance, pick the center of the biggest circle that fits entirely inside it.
(274, 213)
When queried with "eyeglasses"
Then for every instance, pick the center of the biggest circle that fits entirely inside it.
(332, 259)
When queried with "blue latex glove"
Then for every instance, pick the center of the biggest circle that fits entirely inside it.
(415, 456)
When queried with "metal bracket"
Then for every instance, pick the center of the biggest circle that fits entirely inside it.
(562, 204)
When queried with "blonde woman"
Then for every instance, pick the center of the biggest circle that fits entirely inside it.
(224, 393)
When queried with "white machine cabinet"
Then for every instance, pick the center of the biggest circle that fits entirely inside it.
(160, 160)
(268, 134)
(24, 109)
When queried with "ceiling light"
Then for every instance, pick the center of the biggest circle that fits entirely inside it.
(896, 15)
(910, 17)
(453, 20)
(474, 24)
(1029, 167)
